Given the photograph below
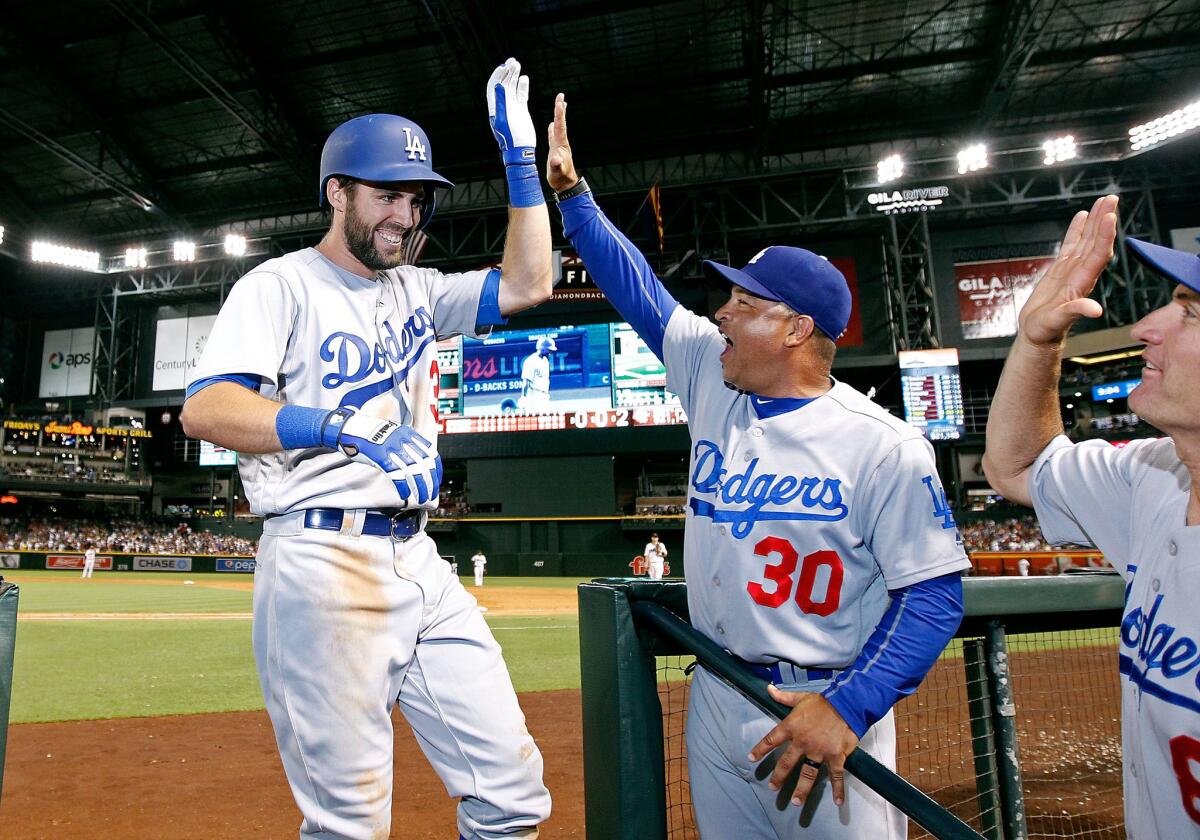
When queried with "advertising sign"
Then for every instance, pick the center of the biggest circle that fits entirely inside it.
(75, 561)
(236, 564)
(10, 561)
(1113, 390)
(162, 564)
(67, 363)
(178, 343)
(992, 292)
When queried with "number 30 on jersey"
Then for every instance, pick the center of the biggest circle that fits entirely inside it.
(783, 575)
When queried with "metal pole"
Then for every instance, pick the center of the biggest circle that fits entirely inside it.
(983, 742)
(8, 639)
(1004, 720)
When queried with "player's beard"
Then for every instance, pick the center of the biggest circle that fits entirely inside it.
(360, 241)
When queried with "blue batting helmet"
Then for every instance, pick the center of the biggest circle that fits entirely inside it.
(546, 343)
(383, 148)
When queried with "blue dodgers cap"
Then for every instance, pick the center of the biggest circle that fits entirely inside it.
(1179, 266)
(807, 282)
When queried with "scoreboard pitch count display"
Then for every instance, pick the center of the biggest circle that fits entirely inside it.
(933, 392)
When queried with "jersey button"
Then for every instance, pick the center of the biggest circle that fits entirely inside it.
(756, 431)
(722, 530)
(716, 581)
(747, 457)
(1172, 548)
(721, 629)
(1154, 584)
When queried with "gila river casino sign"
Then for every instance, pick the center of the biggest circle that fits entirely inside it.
(915, 200)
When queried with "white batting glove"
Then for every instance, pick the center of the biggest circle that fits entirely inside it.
(508, 113)
(408, 459)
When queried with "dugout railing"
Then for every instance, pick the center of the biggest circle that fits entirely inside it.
(8, 638)
(1016, 730)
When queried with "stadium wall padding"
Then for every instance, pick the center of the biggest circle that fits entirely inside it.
(548, 486)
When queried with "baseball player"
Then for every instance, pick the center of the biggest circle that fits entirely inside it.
(1140, 504)
(1023, 567)
(322, 371)
(656, 554)
(89, 560)
(834, 570)
(479, 561)
(535, 377)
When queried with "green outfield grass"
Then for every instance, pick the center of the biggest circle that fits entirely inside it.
(82, 669)
(126, 592)
(86, 669)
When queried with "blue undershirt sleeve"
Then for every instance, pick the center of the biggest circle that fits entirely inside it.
(619, 270)
(246, 380)
(489, 314)
(913, 632)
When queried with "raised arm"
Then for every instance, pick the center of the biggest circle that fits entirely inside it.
(1024, 416)
(614, 263)
(526, 278)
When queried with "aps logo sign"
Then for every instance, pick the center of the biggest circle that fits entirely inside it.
(57, 359)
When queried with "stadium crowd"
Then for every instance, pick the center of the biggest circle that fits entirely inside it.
(123, 535)
(45, 470)
(1014, 534)
(174, 537)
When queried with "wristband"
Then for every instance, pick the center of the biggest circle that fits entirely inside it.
(331, 426)
(581, 186)
(299, 427)
(524, 188)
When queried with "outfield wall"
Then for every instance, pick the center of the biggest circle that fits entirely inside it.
(119, 561)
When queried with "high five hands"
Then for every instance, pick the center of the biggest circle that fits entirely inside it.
(1061, 296)
(560, 165)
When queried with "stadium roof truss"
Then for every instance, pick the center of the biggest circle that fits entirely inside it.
(126, 124)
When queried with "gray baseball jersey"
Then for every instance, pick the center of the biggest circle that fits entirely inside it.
(797, 526)
(1131, 503)
(800, 523)
(346, 626)
(320, 336)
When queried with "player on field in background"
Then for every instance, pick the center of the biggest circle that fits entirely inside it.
(656, 555)
(322, 371)
(535, 377)
(1140, 504)
(89, 560)
(819, 544)
(479, 562)
(1023, 567)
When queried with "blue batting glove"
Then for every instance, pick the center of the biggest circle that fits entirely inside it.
(406, 457)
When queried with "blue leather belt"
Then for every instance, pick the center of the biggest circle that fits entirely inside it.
(785, 673)
(397, 524)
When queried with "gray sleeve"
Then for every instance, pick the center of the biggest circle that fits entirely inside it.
(1081, 493)
(691, 348)
(456, 299)
(251, 333)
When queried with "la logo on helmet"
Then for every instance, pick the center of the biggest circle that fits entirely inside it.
(413, 145)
